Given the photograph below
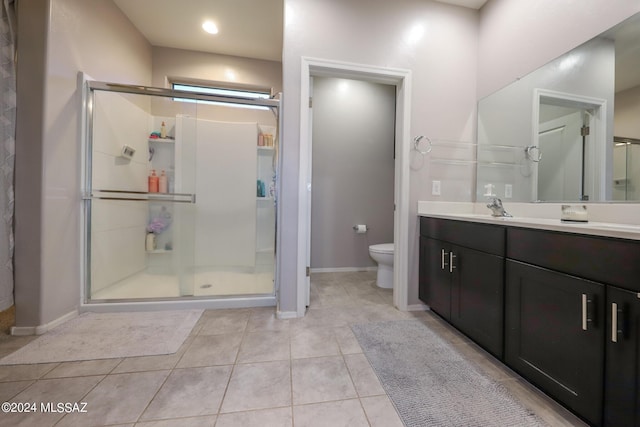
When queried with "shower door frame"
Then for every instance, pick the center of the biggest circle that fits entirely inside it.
(87, 88)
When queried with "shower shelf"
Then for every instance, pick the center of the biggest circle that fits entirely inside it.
(264, 198)
(165, 140)
(160, 251)
(140, 196)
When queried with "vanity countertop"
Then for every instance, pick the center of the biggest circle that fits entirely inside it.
(623, 231)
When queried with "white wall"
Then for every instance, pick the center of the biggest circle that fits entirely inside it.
(96, 38)
(516, 37)
(353, 165)
(443, 60)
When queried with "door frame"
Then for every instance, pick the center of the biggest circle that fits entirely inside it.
(401, 79)
(596, 186)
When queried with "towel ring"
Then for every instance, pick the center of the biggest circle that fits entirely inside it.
(416, 144)
(534, 156)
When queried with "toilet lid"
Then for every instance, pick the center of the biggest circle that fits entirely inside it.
(384, 248)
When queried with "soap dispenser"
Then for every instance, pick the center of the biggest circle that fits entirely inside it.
(153, 182)
(162, 183)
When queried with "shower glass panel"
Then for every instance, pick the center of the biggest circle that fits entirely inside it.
(208, 230)
(626, 168)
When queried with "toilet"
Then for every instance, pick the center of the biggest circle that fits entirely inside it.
(383, 255)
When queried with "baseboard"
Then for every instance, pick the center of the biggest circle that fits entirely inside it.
(20, 331)
(343, 269)
(283, 315)
(418, 307)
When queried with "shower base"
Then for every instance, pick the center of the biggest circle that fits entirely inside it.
(203, 283)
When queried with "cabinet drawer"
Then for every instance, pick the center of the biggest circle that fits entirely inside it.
(482, 237)
(607, 260)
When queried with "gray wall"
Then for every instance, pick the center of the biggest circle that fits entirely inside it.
(352, 172)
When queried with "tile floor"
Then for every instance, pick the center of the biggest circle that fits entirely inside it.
(243, 367)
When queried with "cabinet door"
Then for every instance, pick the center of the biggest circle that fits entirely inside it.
(554, 335)
(622, 371)
(435, 278)
(477, 297)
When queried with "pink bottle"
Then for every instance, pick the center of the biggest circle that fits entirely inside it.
(153, 182)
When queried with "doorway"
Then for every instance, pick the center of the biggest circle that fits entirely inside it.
(352, 172)
(569, 147)
(401, 79)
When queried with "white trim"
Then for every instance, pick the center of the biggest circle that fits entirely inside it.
(343, 269)
(114, 307)
(21, 331)
(283, 315)
(401, 78)
(596, 188)
(418, 307)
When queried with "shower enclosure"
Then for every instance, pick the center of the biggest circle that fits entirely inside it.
(626, 169)
(201, 231)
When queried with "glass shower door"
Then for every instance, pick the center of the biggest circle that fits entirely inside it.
(180, 196)
(140, 198)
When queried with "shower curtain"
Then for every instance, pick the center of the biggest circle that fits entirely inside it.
(7, 147)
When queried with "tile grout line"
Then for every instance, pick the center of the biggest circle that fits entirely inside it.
(233, 368)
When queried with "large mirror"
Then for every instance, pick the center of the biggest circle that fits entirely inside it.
(568, 131)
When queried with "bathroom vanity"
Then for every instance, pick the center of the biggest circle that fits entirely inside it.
(559, 304)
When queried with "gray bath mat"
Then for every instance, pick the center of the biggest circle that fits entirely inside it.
(431, 384)
(109, 335)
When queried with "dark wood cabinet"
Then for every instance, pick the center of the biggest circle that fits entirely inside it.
(435, 287)
(554, 336)
(463, 285)
(622, 370)
(477, 290)
(562, 309)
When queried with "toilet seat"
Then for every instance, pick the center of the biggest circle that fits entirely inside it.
(382, 248)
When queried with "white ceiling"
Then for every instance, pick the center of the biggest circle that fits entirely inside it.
(472, 4)
(248, 28)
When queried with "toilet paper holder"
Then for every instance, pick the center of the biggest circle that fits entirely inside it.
(360, 228)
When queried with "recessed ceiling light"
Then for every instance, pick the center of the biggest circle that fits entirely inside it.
(210, 27)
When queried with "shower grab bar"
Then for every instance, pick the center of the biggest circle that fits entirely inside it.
(139, 196)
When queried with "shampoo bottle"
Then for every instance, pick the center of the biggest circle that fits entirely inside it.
(150, 242)
(162, 183)
(153, 182)
(163, 131)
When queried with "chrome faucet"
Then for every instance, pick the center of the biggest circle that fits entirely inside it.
(497, 209)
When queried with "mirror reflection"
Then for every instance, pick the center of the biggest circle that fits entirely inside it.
(549, 136)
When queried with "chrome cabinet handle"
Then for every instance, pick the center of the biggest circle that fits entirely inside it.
(614, 322)
(443, 258)
(451, 266)
(585, 312)
(616, 315)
